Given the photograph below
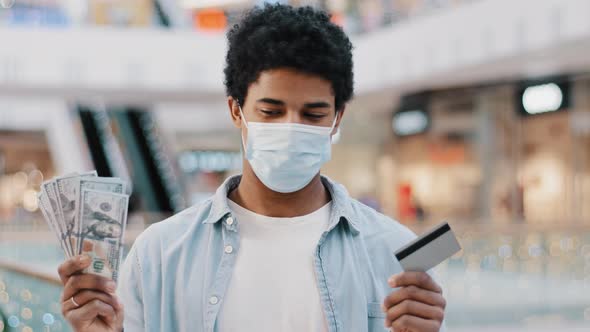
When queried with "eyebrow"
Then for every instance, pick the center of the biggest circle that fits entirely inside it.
(319, 104)
(271, 101)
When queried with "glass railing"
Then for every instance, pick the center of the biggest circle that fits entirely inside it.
(29, 303)
(516, 276)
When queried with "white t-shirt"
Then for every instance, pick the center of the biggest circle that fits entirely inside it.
(274, 287)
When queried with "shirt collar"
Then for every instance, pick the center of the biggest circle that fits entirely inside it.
(342, 210)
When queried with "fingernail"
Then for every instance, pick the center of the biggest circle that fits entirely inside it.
(111, 286)
(383, 308)
(391, 281)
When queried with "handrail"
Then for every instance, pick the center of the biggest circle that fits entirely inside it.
(3, 320)
(504, 228)
(30, 272)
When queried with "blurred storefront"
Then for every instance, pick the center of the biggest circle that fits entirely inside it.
(354, 16)
(24, 162)
(122, 12)
(471, 155)
(475, 155)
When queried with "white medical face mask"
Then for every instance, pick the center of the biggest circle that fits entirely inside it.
(286, 156)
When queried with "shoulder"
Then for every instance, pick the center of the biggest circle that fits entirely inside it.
(174, 230)
(379, 230)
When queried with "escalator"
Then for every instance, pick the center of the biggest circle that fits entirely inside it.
(124, 142)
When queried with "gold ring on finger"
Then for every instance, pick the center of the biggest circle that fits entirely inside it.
(74, 302)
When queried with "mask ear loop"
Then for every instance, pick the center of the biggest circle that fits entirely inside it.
(242, 114)
(245, 124)
(333, 126)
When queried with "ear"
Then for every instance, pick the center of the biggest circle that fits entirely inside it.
(339, 115)
(234, 111)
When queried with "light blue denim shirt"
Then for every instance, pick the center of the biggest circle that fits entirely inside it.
(177, 272)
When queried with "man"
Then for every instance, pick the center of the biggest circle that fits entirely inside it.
(279, 248)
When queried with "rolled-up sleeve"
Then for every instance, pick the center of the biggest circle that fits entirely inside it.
(130, 292)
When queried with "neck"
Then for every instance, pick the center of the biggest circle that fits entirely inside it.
(253, 195)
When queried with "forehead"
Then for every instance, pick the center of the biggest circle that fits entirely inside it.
(290, 84)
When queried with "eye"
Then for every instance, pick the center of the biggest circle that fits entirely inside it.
(270, 112)
(315, 116)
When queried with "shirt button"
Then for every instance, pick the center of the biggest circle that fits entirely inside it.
(229, 249)
(213, 300)
(229, 221)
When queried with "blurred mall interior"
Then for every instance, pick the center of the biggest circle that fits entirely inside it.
(476, 112)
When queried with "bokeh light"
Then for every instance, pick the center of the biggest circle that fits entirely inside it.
(26, 295)
(26, 313)
(4, 297)
(35, 178)
(30, 201)
(13, 321)
(48, 319)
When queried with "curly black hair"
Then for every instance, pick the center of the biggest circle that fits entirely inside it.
(281, 36)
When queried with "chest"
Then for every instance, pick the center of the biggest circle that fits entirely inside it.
(333, 273)
(273, 290)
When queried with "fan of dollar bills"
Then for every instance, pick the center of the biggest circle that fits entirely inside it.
(89, 215)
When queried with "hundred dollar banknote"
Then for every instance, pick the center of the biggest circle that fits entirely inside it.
(67, 188)
(50, 193)
(47, 214)
(103, 221)
(112, 185)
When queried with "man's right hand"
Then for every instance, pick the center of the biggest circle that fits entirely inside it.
(88, 301)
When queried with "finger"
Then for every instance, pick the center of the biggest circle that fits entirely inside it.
(72, 266)
(420, 279)
(92, 310)
(85, 296)
(94, 282)
(413, 323)
(413, 308)
(414, 293)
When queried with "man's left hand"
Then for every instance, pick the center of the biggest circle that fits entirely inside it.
(417, 306)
